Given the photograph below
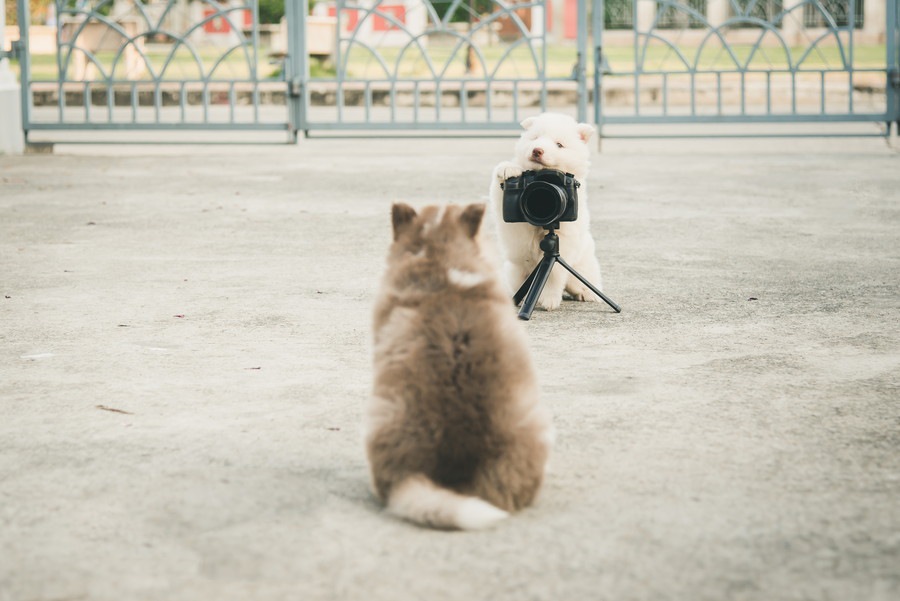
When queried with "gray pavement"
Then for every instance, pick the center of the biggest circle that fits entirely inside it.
(185, 355)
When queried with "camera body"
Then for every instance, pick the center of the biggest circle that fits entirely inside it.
(543, 198)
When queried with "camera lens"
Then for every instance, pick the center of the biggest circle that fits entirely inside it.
(543, 203)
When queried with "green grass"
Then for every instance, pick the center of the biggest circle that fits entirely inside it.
(715, 58)
(498, 60)
(183, 66)
(519, 63)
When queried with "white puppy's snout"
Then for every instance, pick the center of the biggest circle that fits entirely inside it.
(537, 152)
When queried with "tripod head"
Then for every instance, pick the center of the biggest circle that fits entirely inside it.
(550, 242)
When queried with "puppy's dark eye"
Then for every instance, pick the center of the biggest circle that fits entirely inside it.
(559, 145)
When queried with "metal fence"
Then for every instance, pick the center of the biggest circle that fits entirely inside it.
(140, 65)
(893, 70)
(470, 66)
(435, 66)
(755, 62)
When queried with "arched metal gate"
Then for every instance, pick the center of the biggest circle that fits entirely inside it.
(144, 66)
(748, 62)
(430, 65)
(376, 65)
(442, 66)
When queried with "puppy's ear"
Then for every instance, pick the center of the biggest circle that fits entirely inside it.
(585, 131)
(402, 216)
(471, 218)
(527, 123)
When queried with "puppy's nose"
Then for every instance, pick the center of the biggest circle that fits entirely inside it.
(537, 153)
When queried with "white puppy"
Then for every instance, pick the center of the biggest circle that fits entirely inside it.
(550, 141)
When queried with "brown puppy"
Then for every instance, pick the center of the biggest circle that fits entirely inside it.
(456, 437)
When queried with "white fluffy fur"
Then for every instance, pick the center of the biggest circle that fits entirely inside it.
(562, 143)
(419, 500)
(465, 279)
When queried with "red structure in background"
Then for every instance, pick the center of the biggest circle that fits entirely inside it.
(570, 18)
(398, 11)
(350, 17)
(219, 24)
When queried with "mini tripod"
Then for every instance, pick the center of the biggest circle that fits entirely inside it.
(531, 288)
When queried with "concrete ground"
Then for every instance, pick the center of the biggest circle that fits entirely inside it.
(184, 355)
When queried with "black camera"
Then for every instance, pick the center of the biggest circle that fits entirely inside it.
(540, 198)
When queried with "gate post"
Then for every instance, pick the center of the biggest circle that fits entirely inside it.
(12, 136)
(297, 65)
(892, 45)
(597, 30)
(581, 64)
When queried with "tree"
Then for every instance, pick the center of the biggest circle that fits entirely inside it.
(271, 11)
(37, 8)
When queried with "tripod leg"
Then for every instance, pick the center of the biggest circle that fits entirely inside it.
(593, 288)
(538, 280)
(523, 289)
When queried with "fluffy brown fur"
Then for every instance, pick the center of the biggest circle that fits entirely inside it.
(456, 437)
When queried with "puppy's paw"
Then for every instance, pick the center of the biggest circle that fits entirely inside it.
(506, 170)
(550, 302)
(584, 295)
